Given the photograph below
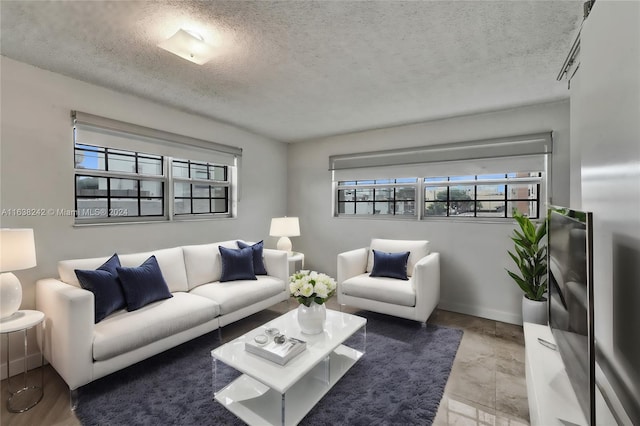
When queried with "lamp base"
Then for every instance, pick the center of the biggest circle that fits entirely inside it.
(284, 244)
(10, 295)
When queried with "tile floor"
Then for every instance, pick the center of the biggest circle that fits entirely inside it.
(486, 385)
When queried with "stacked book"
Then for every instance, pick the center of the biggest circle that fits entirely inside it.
(280, 353)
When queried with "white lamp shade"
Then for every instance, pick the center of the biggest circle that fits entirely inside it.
(17, 249)
(285, 227)
(189, 46)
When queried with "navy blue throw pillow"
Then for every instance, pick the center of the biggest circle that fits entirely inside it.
(237, 264)
(105, 286)
(143, 284)
(258, 263)
(390, 265)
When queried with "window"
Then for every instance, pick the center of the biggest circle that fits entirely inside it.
(199, 188)
(491, 195)
(112, 183)
(385, 197)
(125, 173)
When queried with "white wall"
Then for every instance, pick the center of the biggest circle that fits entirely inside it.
(473, 255)
(36, 169)
(606, 118)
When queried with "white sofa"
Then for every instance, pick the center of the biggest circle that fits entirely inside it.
(82, 351)
(413, 299)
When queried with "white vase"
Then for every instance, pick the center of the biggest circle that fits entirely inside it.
(535, 311)
(311, 319)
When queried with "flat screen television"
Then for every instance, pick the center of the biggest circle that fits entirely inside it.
(570, 290)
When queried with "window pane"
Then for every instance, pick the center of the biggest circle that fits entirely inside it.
(201, 206)
(181, 189)
(150, 166)
(435, 208)
(527, 208)
(384, 193)
(435, 179)
(123, 187)
(124, 207)
(405, 193)
(364, 194)
(364, 208)
(200, 190)
(92, 208)
(121, 163)
(182, 206)
(150, 188)
(491, 208)
(199, 171)
(346, 182)
(217, 172)
(151, 207)
(433, 193)
(346, 208)
(522, 192)
(407, 180)
(90, 158)
(180, 169)
(407, 208)
(365, 182)
(492, 176)
(379, 181)
(218, 192)
(468, 177)
(383, 208)
(89, 186)
(346, 195)
(490, 192)
(461, 192)
(219, 206)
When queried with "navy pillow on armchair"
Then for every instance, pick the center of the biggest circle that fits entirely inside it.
(237, 264)
(143, 284)
(390, 265)
(258, 262)
(105, 286)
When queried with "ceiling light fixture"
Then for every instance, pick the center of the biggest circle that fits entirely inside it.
(190, 46)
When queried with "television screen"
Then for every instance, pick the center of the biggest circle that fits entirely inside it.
(571, 300)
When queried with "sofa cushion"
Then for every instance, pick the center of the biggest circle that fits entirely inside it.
(390, 265)
(125, 331)
(258, 261)
(389, 290)
(234, 295)
(143, 284)
(171, 262)
(203, 262)
(105, 286)
(237, 264)
(417, 250)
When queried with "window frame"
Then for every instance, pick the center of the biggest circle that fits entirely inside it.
(345, 185)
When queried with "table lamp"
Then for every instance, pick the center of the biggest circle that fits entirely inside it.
(285, 227)
(17, 251)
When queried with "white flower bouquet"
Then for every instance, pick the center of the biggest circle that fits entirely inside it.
(311, 286)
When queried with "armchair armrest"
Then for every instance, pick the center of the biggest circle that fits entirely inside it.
(277, 264)
(426, 282)
(352, 263)
(69, 317)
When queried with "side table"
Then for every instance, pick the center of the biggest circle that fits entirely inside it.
(296, 262)
(26, 397)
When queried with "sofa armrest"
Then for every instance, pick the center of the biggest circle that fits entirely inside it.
(69, 318)
(426, 281)
(352, 263)
(276, 263)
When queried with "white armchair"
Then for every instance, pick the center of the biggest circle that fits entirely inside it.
(413, 299)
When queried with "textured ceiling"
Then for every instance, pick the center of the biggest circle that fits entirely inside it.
(295, 70)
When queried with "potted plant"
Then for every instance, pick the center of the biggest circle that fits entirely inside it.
(531, 258)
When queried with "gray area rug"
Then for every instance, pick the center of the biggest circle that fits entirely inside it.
(399, 381)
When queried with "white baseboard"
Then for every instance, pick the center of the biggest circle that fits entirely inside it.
(478, 311)
(17, 365)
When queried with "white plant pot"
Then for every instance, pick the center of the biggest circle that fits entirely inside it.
(534, 311)
(312, 319)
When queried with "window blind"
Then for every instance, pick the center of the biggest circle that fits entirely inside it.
(104, 132)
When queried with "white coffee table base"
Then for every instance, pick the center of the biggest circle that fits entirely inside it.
(257, 404)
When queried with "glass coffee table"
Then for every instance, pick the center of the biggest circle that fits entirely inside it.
(270, 394)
